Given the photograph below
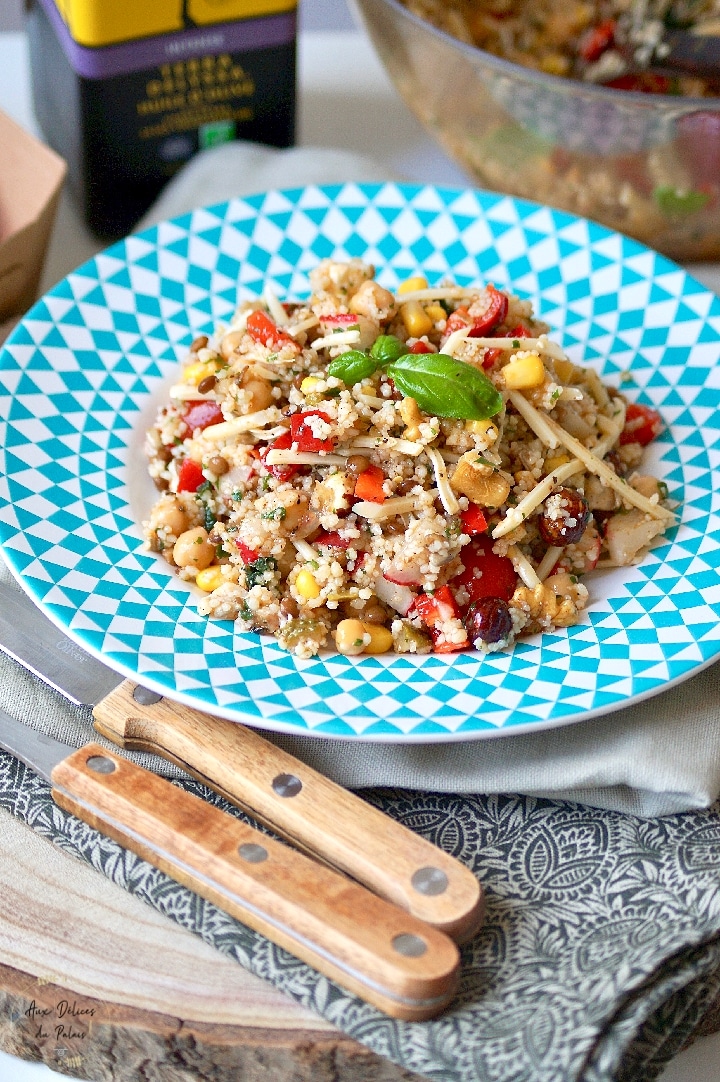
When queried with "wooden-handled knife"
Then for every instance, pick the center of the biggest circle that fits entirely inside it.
(301, 805)
(381, 953)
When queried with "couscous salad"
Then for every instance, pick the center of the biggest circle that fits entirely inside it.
(419, 471)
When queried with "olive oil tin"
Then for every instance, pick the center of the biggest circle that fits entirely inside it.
(128, 90)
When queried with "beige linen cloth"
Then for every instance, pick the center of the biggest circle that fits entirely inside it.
(657, 757)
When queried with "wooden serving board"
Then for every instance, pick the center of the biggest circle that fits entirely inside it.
(99, 986)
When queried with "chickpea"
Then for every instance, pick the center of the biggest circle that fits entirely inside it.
(194, 549)
(294, 514)
(373, 301)
(351, 637)
(168, 516)
(260, 392)
(230, 343)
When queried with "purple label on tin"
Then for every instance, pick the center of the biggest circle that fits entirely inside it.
(243, 35)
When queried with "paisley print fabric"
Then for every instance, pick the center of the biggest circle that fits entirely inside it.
(599, 956)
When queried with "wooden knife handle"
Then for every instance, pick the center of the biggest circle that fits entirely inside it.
(301, 805)
(377, 951)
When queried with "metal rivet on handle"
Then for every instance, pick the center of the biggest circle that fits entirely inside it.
(101, 764)
(409, 945)
(253, 853)
(145, 697)
(430, 881)
(286, 785)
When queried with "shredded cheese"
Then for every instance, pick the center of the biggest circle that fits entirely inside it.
(455, 339)
(524, 568)
(372, 401)
(437, 293)
(536, 419)
(340, 338)
(399, 505)
(183, 392)
(596, 465)
(296, 328)
(406, 447)
(551, 557)
(539, 345)
(227, 429)
(239, 320)
(279, 457)
(517, 515)
(306, 550)
(275, 308)
(447, 496)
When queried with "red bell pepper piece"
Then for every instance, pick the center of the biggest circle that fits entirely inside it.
(473, 520)
(340, 319)
(369, 485)
(202, 414)
(264, 330)
(437, 607)
(190, 476)
(420, 347)
(302, 433)
(434, 610)
(597, 41)
(642, 82)
(458, 319)
(490, 356)
(480, 325)
(642, 424)
(331, 540)
(283, 471)
(486, 574)
(497, 309)
(247, 555)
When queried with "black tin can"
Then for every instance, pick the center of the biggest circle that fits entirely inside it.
(127, 106)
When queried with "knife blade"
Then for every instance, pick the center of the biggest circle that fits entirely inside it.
(376, 950)
(301, 805)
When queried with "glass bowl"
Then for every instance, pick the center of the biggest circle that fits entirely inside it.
(647, 165)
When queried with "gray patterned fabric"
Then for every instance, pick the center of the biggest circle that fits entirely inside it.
(599, 956)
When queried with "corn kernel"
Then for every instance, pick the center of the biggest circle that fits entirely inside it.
(417, 321)
(410, 285)
(555, 64)
(524, 372)
(197, 371)
(554, 462)
(484, 428)
(381, 639)
(309, 384)
(210, 578)
(436, 312)
(307, 586)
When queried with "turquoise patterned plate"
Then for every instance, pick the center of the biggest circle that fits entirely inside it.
(82, 376)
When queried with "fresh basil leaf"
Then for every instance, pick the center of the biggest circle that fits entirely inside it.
(444, 387)
(352, 367)
(387, 348)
